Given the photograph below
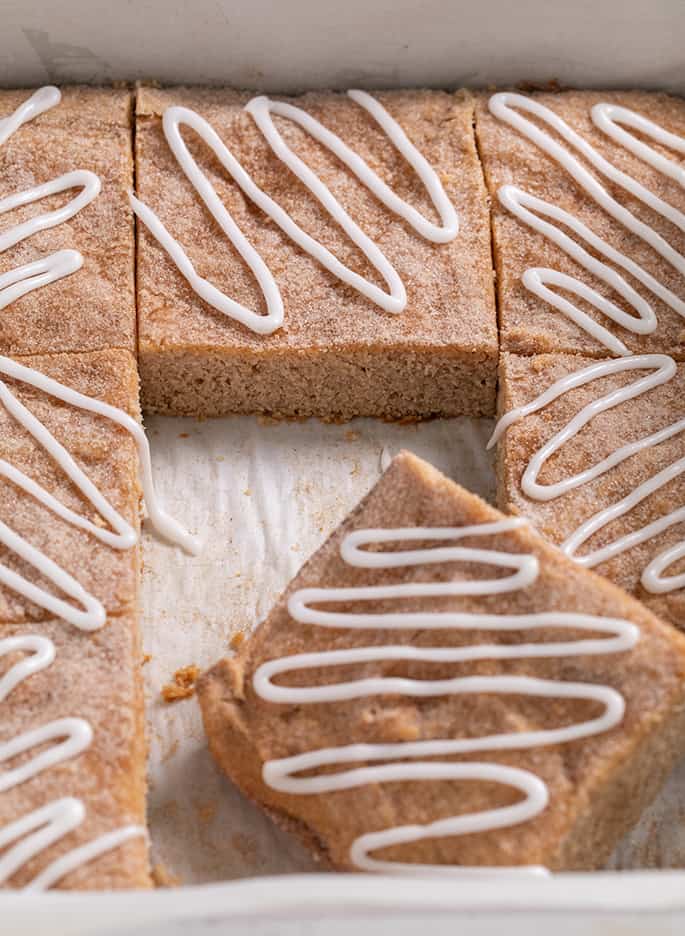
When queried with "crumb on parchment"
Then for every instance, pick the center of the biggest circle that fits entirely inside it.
(162, 877)
(236, 640)
(183, 686)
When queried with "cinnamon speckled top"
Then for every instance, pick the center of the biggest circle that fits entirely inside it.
(449, 287)
(528, 324)
(94, 307)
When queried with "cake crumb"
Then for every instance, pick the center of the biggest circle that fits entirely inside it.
(351, 435)
(183, 435)
(205, 811)
(236, 640)
(168, 754)
(162, 877)
(146, 659)
(183, 686)
(245, 846)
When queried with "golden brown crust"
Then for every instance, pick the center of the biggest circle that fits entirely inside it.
(600, 783)
(332, 336)
(521, 380)
(103, 450)
(529, 325)
(95, 306)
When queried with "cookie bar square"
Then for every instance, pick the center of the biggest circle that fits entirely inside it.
(648, 413)
(421, 664)
(106, 454)
(94, 678)
(337, 354)
(92, 307)
(616, 246)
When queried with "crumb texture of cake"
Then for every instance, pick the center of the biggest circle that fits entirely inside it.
(440, 686)
(77, 155)
(338, 354)
(624, 517)
(588, 220)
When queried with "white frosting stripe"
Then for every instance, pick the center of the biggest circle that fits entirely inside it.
(282, 774)
(90, 616)
(535, 800)
(28, 836)
(16, 283)
(37, 831)
(44, 99)
(261, 109)
(662, 369)
(608, 117)
(533, 211)
(261, 324)
(165, 525)
(21, 280)
(650, 579)
(87, 181)
(84, 854)
(41, 652)
(73, 734)
(33, 833)
(528, 208)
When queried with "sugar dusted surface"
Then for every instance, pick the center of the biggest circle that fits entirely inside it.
(529, 325)
(104, 451)
(94, 676)
(82, 107)
(95, 306)
(521, 380)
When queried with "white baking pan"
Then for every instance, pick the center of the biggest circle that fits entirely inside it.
(266, 496)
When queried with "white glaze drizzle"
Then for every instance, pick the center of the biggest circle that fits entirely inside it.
(66, 738)
(30, 276)
(44, 99)
(663, 369)
(261, 108)
(280, 774)
(608, 117)
(532, 211)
